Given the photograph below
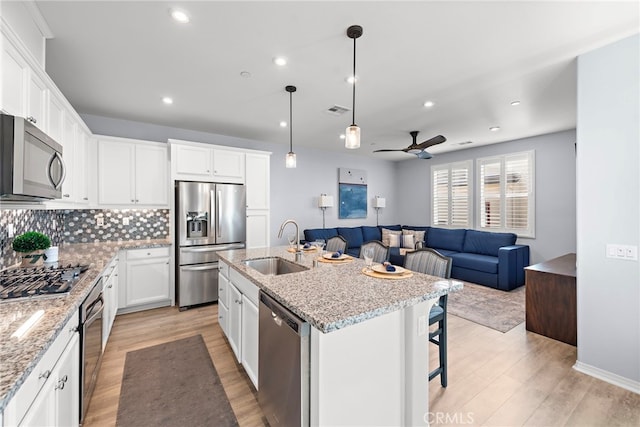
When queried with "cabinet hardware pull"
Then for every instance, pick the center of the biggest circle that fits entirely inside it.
(44, 374)
(85, 198)
(32, 119)
(65, 195)
(132, 201)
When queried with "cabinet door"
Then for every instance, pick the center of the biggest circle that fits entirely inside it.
(147, 281)
(115, 172)
(67, 385)
(257, 180)
(37, 101)
(250, 339)
(257, 229)
(43, 410)
(228, 166)
(14, 72)
(81, 178)
(223, 318)
(151, 175)
(192, 162)
(55, 124)
(235, 321)
(68, 155)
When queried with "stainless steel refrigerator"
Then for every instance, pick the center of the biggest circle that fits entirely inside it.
(209, 218)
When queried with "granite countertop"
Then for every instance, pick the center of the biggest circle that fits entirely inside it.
(334, 296)
(18, 357)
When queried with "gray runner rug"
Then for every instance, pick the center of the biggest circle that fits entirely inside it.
(173, 384)
(496, 309)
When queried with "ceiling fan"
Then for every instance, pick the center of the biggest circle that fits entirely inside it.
(418, 149)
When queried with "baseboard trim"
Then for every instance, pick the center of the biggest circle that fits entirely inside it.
(607, 376)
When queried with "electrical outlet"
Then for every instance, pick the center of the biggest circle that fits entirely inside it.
(100, 221)
(10, 232)
(628, 252)
(125, 221)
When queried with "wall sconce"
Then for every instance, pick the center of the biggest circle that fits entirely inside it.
(379, 203)
(324, 202)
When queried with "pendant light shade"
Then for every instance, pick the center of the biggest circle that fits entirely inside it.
(290, 160)
(352, 134)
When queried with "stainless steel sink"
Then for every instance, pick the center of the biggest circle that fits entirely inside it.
(274, 266)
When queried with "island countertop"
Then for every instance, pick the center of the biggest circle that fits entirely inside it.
(18, 357)
(334, 296)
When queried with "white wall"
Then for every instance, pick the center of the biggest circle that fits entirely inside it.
(608, 202)
(294, 192)
(555, 189)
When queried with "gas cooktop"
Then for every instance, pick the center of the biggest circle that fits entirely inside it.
(38, 281)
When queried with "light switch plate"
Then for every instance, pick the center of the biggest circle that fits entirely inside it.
(10, 232)
(627, 252)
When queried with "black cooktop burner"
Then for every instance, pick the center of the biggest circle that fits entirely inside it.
(38, 281)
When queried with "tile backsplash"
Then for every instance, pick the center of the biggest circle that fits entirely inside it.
(80, 226)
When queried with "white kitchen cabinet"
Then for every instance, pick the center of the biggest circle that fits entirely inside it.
(223, 297)
(235, 321)
(110, 295)
(37, 94)
(257, 229)
(68, 142)
(143, 279)
(80, 167)
(194, 161)
(50, 395)
(132, 172)
(14, 78)
(55, 120)
(228, 166)
(242, 322)
(257, 180)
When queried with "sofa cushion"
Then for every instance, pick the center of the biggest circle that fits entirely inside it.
(416, 227)
(392, 227)
(371, 233)
(417, 236)
(386, 237)
(445, 252)
(353, 235)
(444, 238)
(484, 263)
(487, 243)
(313, 234)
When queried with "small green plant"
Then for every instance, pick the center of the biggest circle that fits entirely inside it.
(31, 241)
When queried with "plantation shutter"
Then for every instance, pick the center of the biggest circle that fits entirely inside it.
(517, 192)
(490, 191)
(451, 195)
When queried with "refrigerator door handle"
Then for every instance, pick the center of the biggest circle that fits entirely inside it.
(211, 266)
(219, 212)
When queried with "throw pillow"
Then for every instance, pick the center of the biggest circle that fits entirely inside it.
(386, 239)
(418, 236)
(394, 240)
(407, 241)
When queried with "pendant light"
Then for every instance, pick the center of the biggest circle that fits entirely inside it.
(352, 134)
(290, 161)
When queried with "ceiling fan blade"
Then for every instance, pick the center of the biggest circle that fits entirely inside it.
(384, 150)
(424, 155)
(433, 141)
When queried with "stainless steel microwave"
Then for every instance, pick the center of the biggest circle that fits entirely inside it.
(31, 165)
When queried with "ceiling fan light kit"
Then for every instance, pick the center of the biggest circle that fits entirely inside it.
(290, 160)
(352, 134)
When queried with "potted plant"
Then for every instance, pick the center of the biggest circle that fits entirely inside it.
(31, 245)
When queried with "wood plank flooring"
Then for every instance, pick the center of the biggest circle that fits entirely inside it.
(513, 379)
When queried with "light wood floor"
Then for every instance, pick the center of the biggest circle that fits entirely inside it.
(513, 379)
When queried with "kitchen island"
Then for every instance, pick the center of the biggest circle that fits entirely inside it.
(368, 356)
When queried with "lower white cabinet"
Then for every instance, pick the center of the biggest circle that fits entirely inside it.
(143, 279)
(50, 396)
(110, 295)
(239, 310)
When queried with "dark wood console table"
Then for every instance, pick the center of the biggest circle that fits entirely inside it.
(551, 298)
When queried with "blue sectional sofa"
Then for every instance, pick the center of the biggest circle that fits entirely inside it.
(486, 258)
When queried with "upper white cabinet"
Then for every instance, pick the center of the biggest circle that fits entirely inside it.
(257, 179)
(37, 98)
(68, 142)
(132, 172)
(204, 162)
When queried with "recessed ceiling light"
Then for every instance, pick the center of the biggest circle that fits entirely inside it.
(342, 136)
(494, 128)
(351, 79)
(515, 103)
(179, 16)
(429, 104)
(280, 61)
(245, 74)
(283, 124)
(167, 100)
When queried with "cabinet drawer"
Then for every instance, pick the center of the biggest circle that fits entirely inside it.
(223, 318)
(147, 253)
(245, 286)
(28, 391)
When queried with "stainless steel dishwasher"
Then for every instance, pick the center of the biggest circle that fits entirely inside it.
(283, 365)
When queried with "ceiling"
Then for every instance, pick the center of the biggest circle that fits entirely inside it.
(472, 59)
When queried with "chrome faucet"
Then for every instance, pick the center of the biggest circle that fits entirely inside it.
(298, 250)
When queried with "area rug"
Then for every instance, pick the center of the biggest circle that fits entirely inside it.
(173, 384)
(496, 309)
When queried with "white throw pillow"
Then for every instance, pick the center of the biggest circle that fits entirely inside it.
(386, 233)
(394, 240)
(418, 236)
(407, 241)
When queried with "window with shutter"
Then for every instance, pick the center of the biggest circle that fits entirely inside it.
(451, 195)
(506, 193)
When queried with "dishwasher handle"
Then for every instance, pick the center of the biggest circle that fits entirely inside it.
(278, 312)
